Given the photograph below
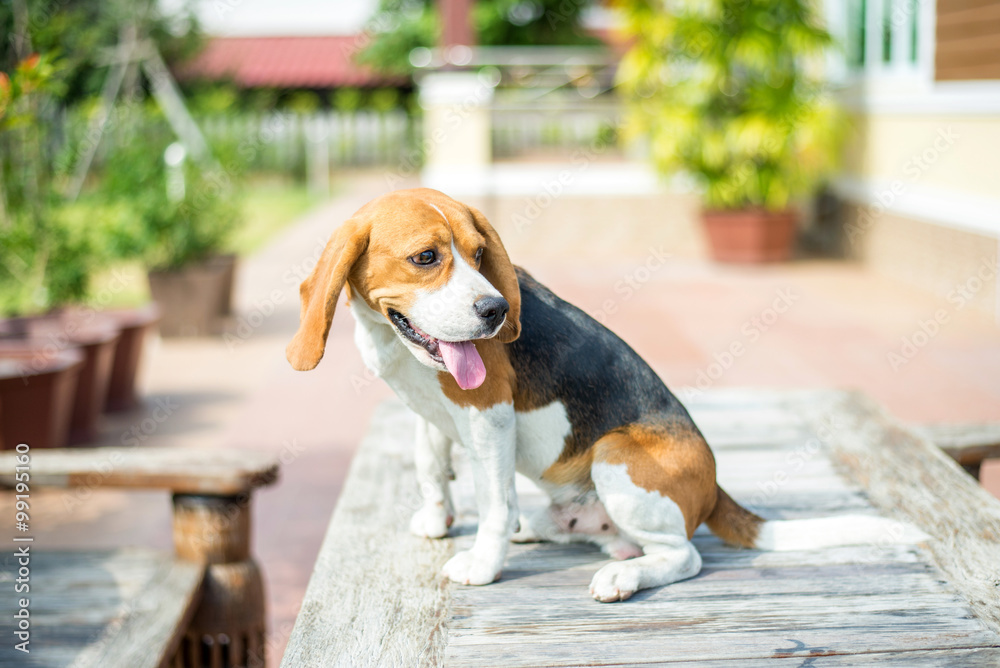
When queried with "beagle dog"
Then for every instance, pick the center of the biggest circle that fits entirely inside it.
(489, 358)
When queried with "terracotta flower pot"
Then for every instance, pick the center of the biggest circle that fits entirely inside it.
(227, 265)
(16, 328)
(135, 326)
(95, 336)
(37, 388)
(193, 298)
(751, 235)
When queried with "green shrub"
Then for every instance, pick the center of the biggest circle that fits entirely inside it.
(43, 263)
(729, 92)
(164, 230)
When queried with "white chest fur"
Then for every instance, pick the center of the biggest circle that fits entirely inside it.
(541, 433)
(416, 384)
(541, 436)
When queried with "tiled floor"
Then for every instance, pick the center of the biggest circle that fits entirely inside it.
(807, 324)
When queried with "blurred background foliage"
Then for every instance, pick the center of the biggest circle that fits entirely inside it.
(79, 33)
(730, 93)
(166, 230)
(54, 249)
(727, 92)
(399, 26)
(37, 252)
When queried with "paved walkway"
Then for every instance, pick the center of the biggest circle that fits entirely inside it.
(808, 324)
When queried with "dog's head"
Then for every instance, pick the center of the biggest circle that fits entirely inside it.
(432, 266)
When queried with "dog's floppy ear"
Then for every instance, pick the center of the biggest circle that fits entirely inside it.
(499, 271)
(321, 290)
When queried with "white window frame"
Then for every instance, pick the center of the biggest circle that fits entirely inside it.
(900, 73)
(901, 86)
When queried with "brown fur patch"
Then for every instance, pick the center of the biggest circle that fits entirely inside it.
(385, 277)
(670, 458)
(572, 471)
(733, 523)
(320, 291)
(498, 386)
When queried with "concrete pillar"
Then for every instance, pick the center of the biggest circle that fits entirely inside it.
(457, 132)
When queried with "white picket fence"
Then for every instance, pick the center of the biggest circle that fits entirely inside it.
(521, 131)
(312, 146)
(290, 142)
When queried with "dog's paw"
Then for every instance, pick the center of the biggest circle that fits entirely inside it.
(615, 582)
(470, 569)
(431, 521)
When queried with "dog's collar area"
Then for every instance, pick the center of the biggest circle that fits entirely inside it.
(414, 334)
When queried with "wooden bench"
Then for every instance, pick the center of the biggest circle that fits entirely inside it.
(967, 444)
(376, 597)
(138, 608)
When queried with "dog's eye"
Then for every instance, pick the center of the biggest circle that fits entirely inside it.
(479, 254)
(426, 257)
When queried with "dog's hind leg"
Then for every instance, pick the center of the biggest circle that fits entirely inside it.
(657, 483)
(576, 523)
(432, 459)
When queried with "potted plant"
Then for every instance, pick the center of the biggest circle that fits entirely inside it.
(182, 213)
(43, 264)
(49, 252)
(37, 389)
(729, 93)
(64, 264)
(135, 326)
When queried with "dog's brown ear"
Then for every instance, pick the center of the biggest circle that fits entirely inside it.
(499, 271)
(321, 290)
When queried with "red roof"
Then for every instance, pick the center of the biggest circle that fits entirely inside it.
(286, 62)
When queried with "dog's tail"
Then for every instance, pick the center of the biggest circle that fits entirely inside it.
(738, 526)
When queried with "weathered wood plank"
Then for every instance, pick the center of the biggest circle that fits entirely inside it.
(968, 658)
(178, 469)
(721, 613)
(148, 634)
(376, 597)
(967, 444)
(661, 645)
(745, 603)
(715, 553)
(910, 478)
(120, 608)
(721, 580)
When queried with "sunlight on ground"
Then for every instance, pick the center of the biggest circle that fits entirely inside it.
(269, 206)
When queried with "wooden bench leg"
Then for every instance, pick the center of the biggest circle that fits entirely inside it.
(228, 629)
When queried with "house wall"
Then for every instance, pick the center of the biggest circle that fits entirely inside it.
(968, 40)
(959, 153)
(957, 265)
(921, 174)
(923, 201)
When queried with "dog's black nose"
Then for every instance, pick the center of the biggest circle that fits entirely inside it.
(492, 310)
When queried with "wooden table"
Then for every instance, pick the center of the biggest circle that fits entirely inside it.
(376, 597)
(139, 608)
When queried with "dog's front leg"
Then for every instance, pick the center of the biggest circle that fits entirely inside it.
(432, 458)
(491, 450)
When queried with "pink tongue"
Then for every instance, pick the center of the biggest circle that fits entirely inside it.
(464, 363)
